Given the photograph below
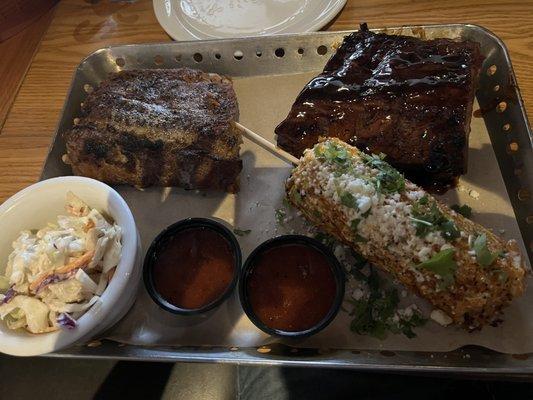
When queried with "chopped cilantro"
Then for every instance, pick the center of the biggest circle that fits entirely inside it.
(441, 264)
(331, 152)
(423, 200)
(280, 215)
(464, 210)
(406, 325)
(359, 239)
(449, 231)
(355, 224)
(240, 232)
(374, 315)
(348, 200)
(427, 218)
(483, 255)
(327, 240)
(388, 180)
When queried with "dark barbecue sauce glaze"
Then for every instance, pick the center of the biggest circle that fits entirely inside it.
(193, 268)
(407, 98)
(291, 287)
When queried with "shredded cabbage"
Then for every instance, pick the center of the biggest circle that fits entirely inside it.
(48, 270)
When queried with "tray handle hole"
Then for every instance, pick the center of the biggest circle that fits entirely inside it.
(506, 127)
(238, 55)
(513, 147)
(158, 59)
(218, 56)
(88, 88)
(524, 195)
(197, 57)
(258, 53)
(501, 107)
(322, 50)
(492, 70)
(120, 62)
(279, 52)
(300, 51)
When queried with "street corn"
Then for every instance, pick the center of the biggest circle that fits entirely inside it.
(465, 271)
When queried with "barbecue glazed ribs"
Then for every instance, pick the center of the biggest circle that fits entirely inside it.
(159, 127)
(408, 98)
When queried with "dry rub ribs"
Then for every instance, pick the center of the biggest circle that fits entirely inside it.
(159, 127)
(406, 97)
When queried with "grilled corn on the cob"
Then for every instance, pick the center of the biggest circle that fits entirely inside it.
(460, 267)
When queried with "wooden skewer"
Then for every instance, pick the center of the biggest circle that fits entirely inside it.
(268, 146)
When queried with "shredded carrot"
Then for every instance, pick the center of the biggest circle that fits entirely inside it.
(89, 225)
(77, 263)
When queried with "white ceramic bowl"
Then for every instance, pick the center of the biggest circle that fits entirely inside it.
(42, 202)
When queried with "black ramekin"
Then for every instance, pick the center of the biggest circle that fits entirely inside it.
(336, 269)
(172, 230)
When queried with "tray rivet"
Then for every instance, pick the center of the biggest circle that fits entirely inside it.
(218, 56)
(524, 194)
(120, 62)
(158, 59)
(264, 349)
(301, 51)
(238, 55)
(258, 53)
(513, 146)
(496, 88)
(387, 353)
(322, 50)
(506, 127)
(529, 219)
(501, 107)
(177, 57)
(88, 88)
(233, 348)
(492, 70)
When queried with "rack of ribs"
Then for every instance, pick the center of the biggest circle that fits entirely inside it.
(408, 98)
(159, 127)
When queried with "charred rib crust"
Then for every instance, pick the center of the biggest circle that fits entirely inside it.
(159, 127)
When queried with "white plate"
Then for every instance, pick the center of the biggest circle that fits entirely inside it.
(211, 19)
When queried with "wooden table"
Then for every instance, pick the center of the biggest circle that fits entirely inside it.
(79, 27)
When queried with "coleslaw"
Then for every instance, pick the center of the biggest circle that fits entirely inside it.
(54, 275)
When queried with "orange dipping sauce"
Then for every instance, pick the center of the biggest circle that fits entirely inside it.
(193, 267)
(291, 287)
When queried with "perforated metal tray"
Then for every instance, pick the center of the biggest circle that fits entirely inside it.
(504, 116)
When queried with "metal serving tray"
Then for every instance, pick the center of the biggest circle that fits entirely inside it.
(504, 117)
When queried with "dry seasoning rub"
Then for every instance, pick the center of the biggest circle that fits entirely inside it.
(459, 266)
(193, 267)
(54, 275)
(291, 287)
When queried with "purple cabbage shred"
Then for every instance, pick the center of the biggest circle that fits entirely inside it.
(66, 321)
(8, 296)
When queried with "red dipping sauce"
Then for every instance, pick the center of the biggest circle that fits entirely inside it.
(193, 267)
(291, 287)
